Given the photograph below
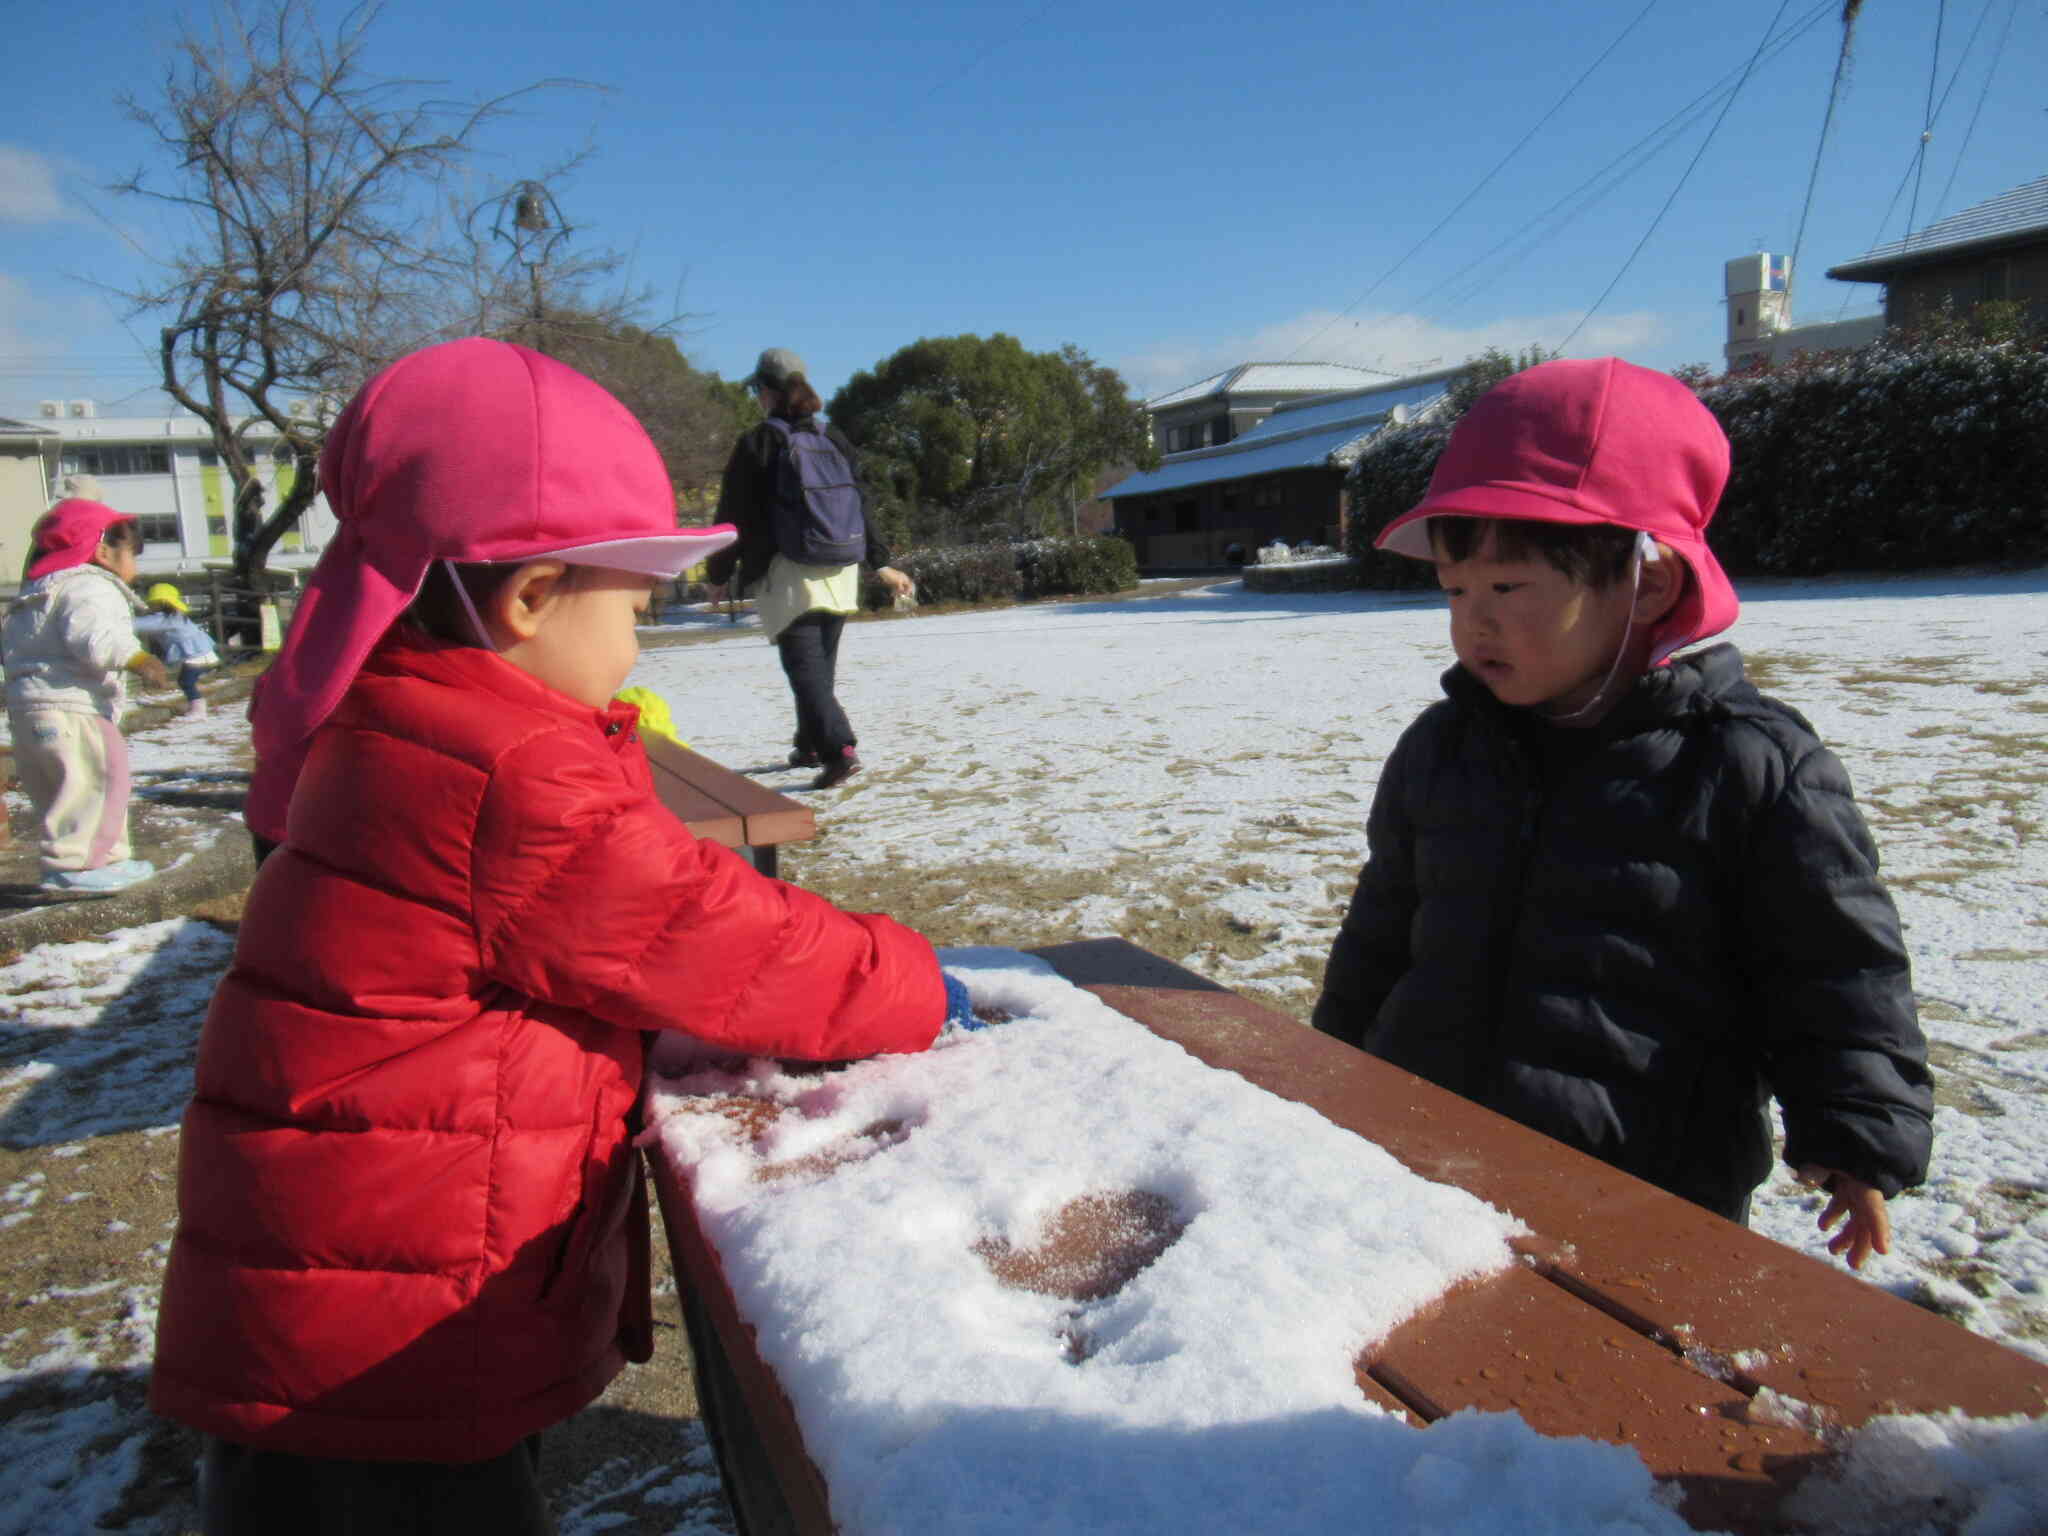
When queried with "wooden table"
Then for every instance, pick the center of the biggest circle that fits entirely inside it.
(727, 807)
(1633, 1308)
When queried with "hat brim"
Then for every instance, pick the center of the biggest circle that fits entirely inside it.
(666, 555)
(1708, 607)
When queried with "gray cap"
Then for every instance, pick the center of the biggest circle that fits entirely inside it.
(775, 368)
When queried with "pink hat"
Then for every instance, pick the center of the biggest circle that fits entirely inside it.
(1592, 440)
(69, 534)
(472, 451)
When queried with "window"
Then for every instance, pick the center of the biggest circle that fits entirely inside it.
(117, 459)
(160, 528)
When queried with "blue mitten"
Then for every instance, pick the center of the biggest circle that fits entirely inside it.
(959, 1006)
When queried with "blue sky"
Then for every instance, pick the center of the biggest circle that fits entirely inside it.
(1173, 187)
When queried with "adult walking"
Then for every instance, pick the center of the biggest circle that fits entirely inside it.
(792, 489)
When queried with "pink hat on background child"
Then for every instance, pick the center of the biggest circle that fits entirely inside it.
(69, 534)
(472, 451)
(1589, 441)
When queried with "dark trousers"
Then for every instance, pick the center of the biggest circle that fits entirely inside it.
(244, 1492)
(810, 659)
(188, 681)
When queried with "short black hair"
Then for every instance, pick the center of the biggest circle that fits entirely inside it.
(1597, 554)
(125, 534)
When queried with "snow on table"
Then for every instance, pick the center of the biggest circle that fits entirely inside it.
(866, 1231)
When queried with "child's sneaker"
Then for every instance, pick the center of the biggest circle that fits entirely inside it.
(195, 709)
(838, 770)
(803, 757)
(104, 881)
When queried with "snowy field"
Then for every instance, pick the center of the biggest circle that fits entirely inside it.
(1191, 771)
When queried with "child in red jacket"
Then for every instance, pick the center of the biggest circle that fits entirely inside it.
(412, 1228)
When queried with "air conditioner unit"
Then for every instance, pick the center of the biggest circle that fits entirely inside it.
(50, 408)
(82, 408)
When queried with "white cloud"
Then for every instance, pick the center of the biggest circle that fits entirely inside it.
(28, 188)
(1394, 343)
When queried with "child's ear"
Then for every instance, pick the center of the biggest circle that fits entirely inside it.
(1660, 582)
(521, 604)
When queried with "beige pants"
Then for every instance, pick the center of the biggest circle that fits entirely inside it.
(74, 769)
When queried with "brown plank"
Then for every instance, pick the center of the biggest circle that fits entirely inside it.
(769, 1428)
(1516, 1343)
(1670, 1270)
(728, 807)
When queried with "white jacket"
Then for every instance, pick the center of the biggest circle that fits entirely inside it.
(67, 640)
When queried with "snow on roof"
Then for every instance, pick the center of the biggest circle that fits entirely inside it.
(2009, 216)
(1327, 432)
(1269, 379)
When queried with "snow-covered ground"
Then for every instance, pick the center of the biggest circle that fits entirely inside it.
(1193, 770)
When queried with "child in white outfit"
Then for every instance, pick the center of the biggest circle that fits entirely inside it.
(69, 641)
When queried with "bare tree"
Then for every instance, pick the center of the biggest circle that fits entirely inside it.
(317, 251)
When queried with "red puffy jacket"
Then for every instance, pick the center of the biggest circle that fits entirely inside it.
(405, 1180)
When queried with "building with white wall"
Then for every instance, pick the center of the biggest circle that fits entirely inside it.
(1760, 329)
(163, 469)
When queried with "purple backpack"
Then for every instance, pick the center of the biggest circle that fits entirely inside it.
(817, 513)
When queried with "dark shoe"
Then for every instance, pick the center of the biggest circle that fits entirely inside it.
(839, 770)
(803, 757)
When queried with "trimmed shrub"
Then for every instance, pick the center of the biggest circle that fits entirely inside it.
(1062, 567)
(1000, 573)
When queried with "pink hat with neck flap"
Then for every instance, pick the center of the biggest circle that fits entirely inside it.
(473, 451)
(69, 534)
(1591, 441)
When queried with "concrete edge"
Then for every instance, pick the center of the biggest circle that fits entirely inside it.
(220, 868)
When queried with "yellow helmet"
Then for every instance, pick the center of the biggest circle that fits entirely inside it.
(164, 592)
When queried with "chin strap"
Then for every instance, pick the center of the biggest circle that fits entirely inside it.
(476, 620)
(1645, 554)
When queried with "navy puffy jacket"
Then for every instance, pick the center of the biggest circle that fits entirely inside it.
(1633, 952)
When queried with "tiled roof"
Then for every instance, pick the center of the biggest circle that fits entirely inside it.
(2010, 216)
(1327, 432)
(1269, 378)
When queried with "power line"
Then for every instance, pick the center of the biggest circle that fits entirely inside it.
(1820, 147)
(1479, 186)
(1927, 125)
(1624, 165)
(1990, 73)
(1747, 70)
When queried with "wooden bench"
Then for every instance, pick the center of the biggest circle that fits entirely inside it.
(726, 807)
(1637, 1318)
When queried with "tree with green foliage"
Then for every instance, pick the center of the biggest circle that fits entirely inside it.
(1484, 371)
(968, 437)
(692, 416)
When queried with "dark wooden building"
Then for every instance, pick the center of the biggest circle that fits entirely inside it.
(1281, 477)
(1997, 250)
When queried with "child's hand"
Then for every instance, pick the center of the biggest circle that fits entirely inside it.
(1869, 1225)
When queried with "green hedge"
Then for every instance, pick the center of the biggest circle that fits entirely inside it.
(1389, 478)
(992, 573)
(1896, 456)
(1886, 458)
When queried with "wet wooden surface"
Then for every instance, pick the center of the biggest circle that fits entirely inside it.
(1724, 1359)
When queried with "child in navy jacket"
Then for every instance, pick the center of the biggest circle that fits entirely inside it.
(1620, 898)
